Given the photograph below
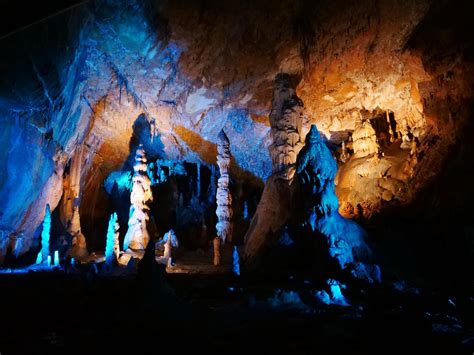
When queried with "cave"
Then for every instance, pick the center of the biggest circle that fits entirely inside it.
(237, 176)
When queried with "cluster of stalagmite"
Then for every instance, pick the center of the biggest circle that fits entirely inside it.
(286, 121)
(137, 236)
(364, 139)
(223, 196)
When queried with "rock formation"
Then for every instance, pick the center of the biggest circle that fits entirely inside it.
(364, 140)
(235, 261)
(112, 247)
(137, 234)
(316, 169)
(78, 248)
(274, 208)
(56, 258)
(45, 236)
(344, 154)
(223, 197)
(286, 121)
(169, 241)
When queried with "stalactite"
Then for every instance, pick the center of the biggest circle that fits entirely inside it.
(137, 235)
(286, 120)
(112, 247)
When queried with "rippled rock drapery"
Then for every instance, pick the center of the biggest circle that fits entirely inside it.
(137, 236)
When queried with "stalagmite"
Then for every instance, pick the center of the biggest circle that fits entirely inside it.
(235, 261)
(286, 120)
(56, 258)
(69, 210)
(169, 241)
(223, 197)
(217, 251)
(344, 154)
(246, 210)
(78, 249)
(316, 169)
(198, 179)
(137, 235)
(364, 139)
(45, 234)
(274, 208)
(112, 248)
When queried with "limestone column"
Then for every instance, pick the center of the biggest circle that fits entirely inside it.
(223, 196)
(137, 236)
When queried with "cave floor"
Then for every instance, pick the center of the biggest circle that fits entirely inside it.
(193, 262)
(60, 313)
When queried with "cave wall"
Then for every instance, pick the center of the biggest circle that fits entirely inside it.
(194, 68)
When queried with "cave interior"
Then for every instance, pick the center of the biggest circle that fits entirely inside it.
(295, 173)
